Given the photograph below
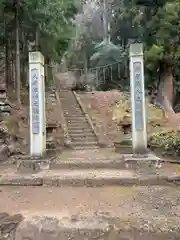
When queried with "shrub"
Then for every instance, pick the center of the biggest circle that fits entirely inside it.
(169, 142)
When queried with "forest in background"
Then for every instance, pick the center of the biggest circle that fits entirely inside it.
(155, 23)
(93, 33)
(30, 25)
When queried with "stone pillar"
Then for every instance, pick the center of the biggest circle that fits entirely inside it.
(139, 132)
(37, 104)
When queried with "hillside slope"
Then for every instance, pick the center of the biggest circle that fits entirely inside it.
(111, 110)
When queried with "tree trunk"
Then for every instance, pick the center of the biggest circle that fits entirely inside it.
(23, 79)
(46, 73)
(27, 74)
(37, 40)
(18, 77)
(14, 73)
(25, 56)
(23, 59)
(105, 20)
(85, 68)
(165, 91)
(7, 56)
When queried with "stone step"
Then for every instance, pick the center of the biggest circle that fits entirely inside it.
(73, 113)
(89, 178)
(91, 138)
(82, 131)
(67, 98)
(91, 163)
(83, 142)
(70, 113)
(85, 145)
(81, 122)
(63, 94)
(79, 128)
(83, 138)
(76, 120)
(73, 116)
(77, 143)
(78, 131)
(84, 148)
(64, 97)
(82, 135)
(70, 105)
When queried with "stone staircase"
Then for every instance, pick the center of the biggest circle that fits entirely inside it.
(80, 132)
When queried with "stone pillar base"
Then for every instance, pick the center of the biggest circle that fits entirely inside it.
(33, 165)
(139, 161)
(28, 166)
(124, 146)
(140, 155)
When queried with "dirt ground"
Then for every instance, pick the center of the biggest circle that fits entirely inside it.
(156, 205)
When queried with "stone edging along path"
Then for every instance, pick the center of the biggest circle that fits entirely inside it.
(67, 139)
(87, 178)
(19, 227)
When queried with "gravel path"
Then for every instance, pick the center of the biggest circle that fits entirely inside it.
(154, 205)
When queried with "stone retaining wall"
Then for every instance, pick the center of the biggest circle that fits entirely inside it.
(17, 227)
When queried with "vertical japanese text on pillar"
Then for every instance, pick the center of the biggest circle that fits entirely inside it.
(35, 101)
(139, 124)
